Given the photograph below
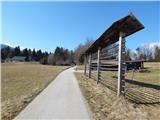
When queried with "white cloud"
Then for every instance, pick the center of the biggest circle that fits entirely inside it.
(154, 44)
(21, 47)
(151, 45)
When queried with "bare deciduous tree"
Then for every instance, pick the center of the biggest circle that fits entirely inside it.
(80, 49)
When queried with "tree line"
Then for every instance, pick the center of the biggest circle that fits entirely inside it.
(31, 55)
(63, 56)
(60, 56)
(144, 52)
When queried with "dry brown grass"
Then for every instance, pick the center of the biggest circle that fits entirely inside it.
(105, 105)
(80, 67)
(21, 82)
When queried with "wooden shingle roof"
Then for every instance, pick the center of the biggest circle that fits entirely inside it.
(128, 25)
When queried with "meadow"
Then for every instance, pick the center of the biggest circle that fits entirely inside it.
(150, 73)
(104, 103)
(21, 82)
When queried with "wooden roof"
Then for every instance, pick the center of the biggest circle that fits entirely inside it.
(128, 25)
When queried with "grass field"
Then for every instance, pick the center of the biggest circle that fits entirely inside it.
(151, 73)
(105, 105)
(21, 82)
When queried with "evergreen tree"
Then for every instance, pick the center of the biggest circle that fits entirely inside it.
(5, 53)
(29, 55)
(65, 54)
(72, 56)
(34, 55)
(58, 54)
(44, 60)
(39, 55)
(25, 53)
(17, 51)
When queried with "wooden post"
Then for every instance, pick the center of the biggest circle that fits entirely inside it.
(90, 62)
(121, 65)
(98, 64)
(85, 64)
(142, 64)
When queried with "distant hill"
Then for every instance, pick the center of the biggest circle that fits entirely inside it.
(5, 46)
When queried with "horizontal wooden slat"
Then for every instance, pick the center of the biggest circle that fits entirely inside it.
(108, 69)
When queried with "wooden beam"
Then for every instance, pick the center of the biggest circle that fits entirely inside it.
(90, 61)
(142, 65)
(98, 64)
(85, 64)
(121, 70)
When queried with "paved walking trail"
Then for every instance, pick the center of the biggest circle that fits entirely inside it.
(62, 99)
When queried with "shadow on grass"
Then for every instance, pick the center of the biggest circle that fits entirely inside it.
(135, 91)
(145, 97)
(142, 84)
(145, 70)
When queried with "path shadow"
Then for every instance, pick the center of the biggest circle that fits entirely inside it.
(142, 84)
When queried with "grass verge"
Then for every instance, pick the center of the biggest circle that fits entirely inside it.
(105, 105)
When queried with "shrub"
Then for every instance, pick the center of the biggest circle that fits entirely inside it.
(44, 60)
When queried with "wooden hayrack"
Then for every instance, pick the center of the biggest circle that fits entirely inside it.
(107, 52)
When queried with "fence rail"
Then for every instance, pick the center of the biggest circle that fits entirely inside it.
(135, 91)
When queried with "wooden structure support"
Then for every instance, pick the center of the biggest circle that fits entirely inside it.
(98, 64)
(85, 64)
(121, 70)
(90, 63)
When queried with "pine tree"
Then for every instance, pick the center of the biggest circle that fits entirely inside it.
(25, 53)
(17, 51)
(29, 55)
(5, 53)
(39, 55)
(58, 54)
(34, 55)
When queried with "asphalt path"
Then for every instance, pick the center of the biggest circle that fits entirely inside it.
(62, 99)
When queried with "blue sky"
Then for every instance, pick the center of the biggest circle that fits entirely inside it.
(45, 25)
